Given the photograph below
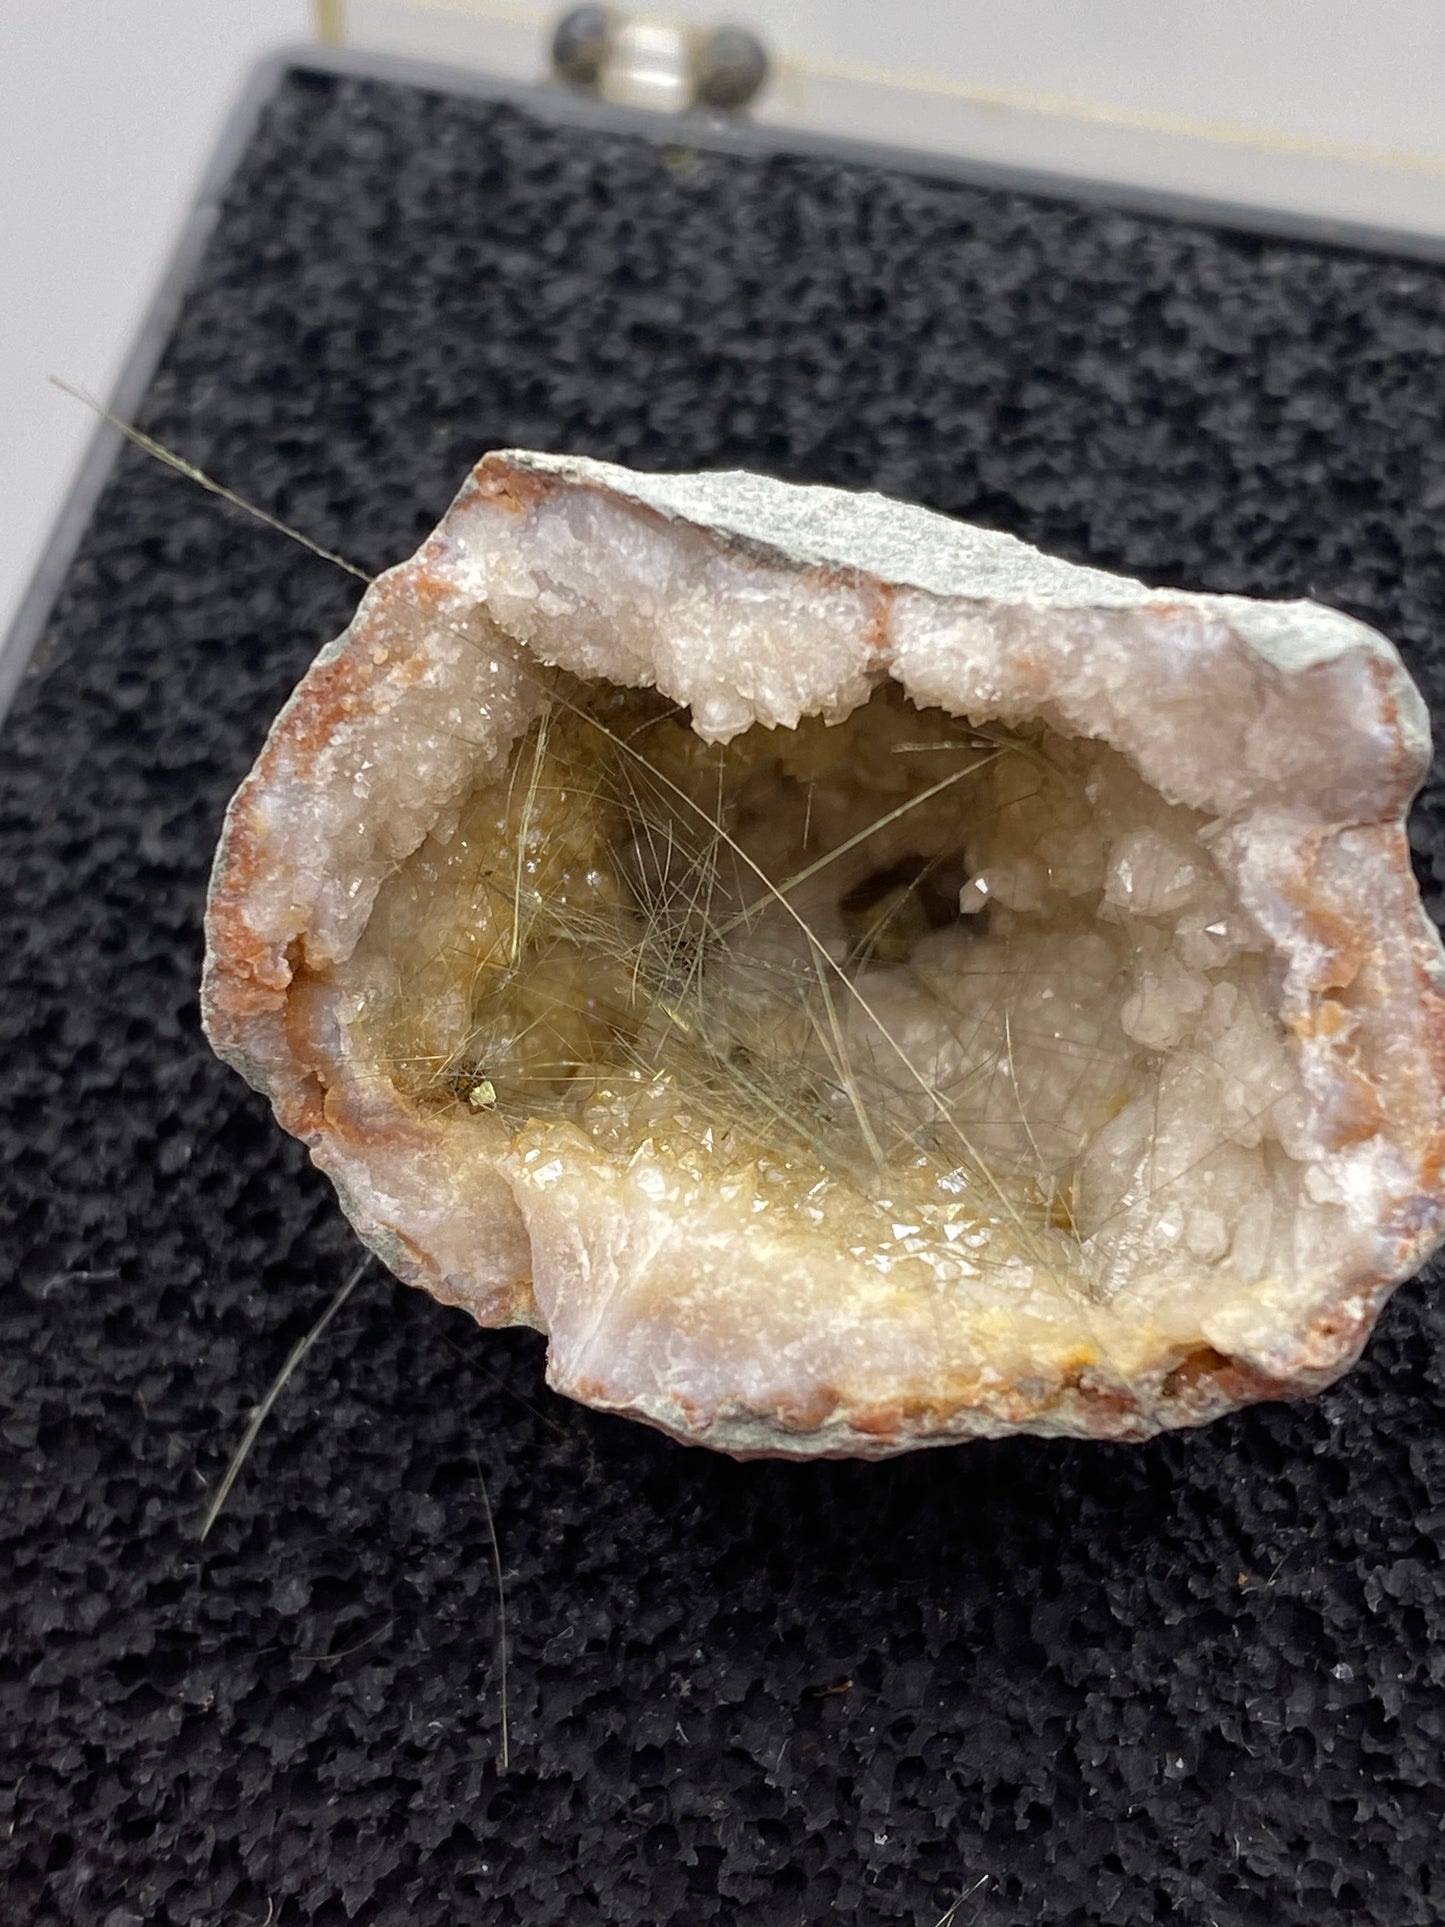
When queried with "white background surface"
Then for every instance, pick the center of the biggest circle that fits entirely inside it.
(1333, 108)
(110, 109)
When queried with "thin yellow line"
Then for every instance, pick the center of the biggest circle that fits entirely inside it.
(1221, 133)
(1098, 113)
(330, 22)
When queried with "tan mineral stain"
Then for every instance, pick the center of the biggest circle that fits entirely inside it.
(852, 981)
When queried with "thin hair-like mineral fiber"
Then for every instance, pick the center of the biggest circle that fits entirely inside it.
(958, 1002)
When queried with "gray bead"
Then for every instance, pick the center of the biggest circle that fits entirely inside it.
(579, 46)
(731, 68)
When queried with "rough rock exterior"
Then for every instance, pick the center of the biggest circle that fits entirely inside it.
(1288, 733)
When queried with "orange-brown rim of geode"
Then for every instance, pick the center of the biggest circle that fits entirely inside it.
(964, 619)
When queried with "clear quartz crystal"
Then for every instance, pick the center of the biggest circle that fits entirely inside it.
(1098, 1095)
(1104, 1063)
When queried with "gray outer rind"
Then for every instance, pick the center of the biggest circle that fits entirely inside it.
(911, 547)
(847, 553)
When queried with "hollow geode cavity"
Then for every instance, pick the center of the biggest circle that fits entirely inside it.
(852, 981)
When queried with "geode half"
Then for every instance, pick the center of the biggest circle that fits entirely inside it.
(852, 981)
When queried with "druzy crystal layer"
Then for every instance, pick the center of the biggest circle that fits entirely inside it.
(852, 981)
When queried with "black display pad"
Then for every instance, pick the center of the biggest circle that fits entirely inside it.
(1199, 1681)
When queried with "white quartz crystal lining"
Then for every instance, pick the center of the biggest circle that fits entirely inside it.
(1291, 728)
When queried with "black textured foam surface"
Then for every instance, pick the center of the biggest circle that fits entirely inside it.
(1198, 1681)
